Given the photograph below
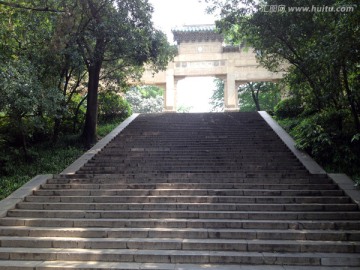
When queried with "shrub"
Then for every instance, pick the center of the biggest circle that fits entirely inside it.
(288, 108)
(326, 136)
(144, 103)
(112, 106)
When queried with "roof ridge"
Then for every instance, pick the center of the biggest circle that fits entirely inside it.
(194, 28)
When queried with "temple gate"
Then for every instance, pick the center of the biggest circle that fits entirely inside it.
(201, 52)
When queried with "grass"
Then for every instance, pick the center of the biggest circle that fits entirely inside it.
(46, 158)
(106, 128)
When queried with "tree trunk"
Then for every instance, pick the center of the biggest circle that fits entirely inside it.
(256, 100)
(94, 62)
(89, 133)
(255, 96)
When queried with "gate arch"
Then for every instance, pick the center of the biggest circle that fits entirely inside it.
(201, 52)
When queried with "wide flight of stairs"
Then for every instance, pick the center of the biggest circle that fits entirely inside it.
(215, 189)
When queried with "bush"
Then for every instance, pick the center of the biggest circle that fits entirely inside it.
(46, 158)
(112, 106)
(288, 108)
(74, 114)
(144, 102)
(326, 136)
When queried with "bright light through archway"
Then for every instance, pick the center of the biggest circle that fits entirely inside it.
(195, 93)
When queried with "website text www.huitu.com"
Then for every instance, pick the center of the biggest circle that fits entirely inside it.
(284, 8)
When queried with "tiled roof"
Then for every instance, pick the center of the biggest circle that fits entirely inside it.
(194, 28)
(196, 33)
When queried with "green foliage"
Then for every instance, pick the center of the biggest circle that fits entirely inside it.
(183, 109)
(252, 96)
(73, 115)
(320, 50)
(115, 39)
(217, 98)
(22, 93)
(143, 100)
(25, 102)
(149, 91)
(355, 138)
(328, 137)
(258, 96)
(64, 46)
(45, 159)
(51, 53)
(112, 106)
(105, 128)
(288, 108)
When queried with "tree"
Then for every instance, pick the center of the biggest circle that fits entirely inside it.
(253, 96)
(309, 41)
(28, 69)
(113, 106)
(119, 32)
(217, 98)
(258, 96)
(26, 6)
(322, 51)
(147, 99)
(38, 33)
(68, 42)
(24, 100)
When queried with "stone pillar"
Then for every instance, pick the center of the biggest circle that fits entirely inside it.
(230, 94)
(170, 96)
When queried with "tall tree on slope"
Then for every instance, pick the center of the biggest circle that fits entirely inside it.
(119, 33)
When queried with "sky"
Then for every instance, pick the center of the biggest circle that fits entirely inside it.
(171, 13)
(192, 92)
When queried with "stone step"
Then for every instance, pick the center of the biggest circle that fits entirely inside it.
(251, 175)
(184, 223)
(192, 233)
(301, 246)
(88, 265)
(179, 169)
(198, 156)
(253, 145)
(117, 166)
(188, 206)
(188, 192)
(238, 157)
(107, 179)
(176, 214)
(187, 154)
(200, 162)
(179, 256)
(191, 199)
(198, 142)
(191, 186)
(187, 151)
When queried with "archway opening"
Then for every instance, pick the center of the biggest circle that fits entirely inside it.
(193, 94)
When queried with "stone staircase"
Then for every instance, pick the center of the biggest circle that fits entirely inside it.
(186, 191)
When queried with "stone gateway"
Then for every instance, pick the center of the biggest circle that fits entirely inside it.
(202, 52)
